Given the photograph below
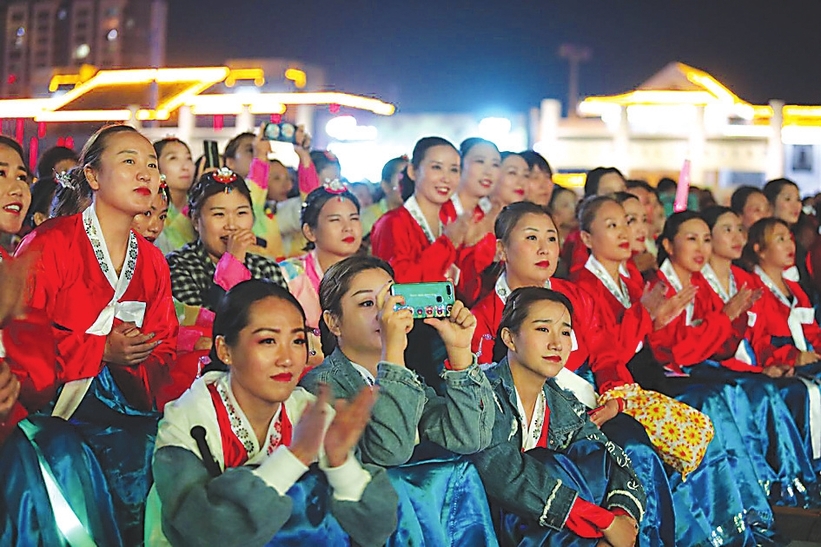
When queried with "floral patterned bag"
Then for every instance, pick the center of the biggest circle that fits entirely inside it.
(679, 432)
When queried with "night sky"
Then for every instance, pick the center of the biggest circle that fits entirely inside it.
(481, 55)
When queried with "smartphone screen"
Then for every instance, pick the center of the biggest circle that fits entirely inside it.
(426, 299)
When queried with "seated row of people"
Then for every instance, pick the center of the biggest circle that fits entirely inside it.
(543, 429)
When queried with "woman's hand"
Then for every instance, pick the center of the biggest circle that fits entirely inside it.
(394, 326)
(204, 343)
(457, 230)
(9, 390)
(13, 279)
(622, 532)
(663, 310)
(741, 302)
(302, 146)
(309, 432)
(773, 372)
(478, 229)
(125, 345)
(262, 147)
(239, 242)
(806, 358)
(457, 333)
(348, 424)
(645, 262)
(604, 413)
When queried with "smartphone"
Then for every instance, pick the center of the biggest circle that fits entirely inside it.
(281, 132)
(426, 299)
(211, 153)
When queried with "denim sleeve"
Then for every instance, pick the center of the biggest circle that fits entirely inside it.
(390, 436)
(462, 420)
(624, 489)
(518, 482)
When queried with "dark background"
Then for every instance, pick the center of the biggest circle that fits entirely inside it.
(473, 55)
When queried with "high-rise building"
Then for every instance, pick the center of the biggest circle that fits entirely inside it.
(41, 35)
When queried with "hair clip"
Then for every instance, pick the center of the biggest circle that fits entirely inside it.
(335, 186)
(63, 178)
(404, 157)
(163, 183)
(224, 176)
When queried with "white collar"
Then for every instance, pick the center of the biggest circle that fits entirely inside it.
(484, 204)
(241, 426)
(412, 206)
(616, 286)
(672, 277)
(503, 289)
(712, 279)
(365, 373)
(532, 433)
(126, 311)
(762, 275)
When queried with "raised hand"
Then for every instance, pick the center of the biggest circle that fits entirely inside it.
(457, 230)
(261, 146)
(302, 146)
(394, 326)
(456, 332)
(348, 424)
(478, 229)
(663, 310)
(239, 242)
(126, 346)
(741, 302)
(309, 431)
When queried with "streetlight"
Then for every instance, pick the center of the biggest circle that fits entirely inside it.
(575, 55)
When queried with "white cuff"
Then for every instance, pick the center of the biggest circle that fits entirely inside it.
(281, 470)
(348, 480)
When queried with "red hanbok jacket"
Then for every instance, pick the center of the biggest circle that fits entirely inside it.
(68, 285)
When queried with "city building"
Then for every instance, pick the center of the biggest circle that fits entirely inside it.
(682, 113)
(41, 35)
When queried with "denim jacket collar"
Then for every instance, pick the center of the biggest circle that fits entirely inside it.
(344, 372)
(566, 413)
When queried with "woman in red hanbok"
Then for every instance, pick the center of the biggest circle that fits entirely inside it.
(107, 293)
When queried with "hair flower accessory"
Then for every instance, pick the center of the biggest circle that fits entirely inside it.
(335, 186)
(224, 176)
(63, 178)
(163, 183)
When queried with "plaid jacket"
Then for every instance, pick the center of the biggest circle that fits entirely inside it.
(192, 275)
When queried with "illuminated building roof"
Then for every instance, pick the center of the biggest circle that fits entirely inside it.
(680, 84)
(113, 95)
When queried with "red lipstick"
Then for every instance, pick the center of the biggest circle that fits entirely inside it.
(543, 264)
(625, 245)
(349, 239)
(143, 191)
(283, 377)
(553, 358)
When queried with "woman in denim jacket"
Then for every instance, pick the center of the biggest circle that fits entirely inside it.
(370, 339)
(441, 498)
(557, 478)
